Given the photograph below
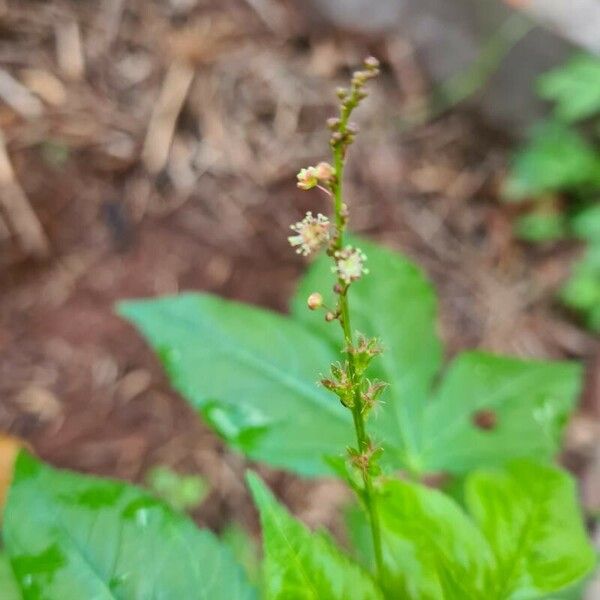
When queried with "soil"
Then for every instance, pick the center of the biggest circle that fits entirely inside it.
(77, 382)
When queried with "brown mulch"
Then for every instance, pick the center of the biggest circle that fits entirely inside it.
(77, 382)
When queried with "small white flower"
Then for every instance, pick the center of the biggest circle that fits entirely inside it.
(307, 178)
(312, 233)
(350, 264)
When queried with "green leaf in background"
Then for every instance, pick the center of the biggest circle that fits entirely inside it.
(556, 158)
(529, 514)
(181, 492)
(252, 374)
(302, 565)
(541, 227)
(398, 304)
(432, 550)
(74, 537)
(582, 290)
(490, 409)
(586, 224)
(574, 87)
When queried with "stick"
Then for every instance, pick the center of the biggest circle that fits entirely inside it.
(21, 218)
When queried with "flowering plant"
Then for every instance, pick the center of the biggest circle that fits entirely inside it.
(508, 528)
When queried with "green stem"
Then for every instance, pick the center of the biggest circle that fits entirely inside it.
(344, 317)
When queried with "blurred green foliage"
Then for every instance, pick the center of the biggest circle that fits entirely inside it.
(562, 159)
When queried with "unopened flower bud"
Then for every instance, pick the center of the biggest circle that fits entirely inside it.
(333, 123)
(371, 63)
(352, 128)
(341, 93)
(330, 317)
(324, 172)
(315, 301)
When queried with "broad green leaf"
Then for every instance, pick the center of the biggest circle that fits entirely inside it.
(396, 303)
(490, 409)
(74, 537)
(252, 374)
(530, 516)
(575, 87)
(432, 549)
(302, 565)
(556, 158)
(9, 589)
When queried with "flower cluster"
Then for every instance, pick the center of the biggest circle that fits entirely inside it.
(312, 233)
(322, 174)
(350, 264)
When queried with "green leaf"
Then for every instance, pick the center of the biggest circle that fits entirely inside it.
(555, 159)
(575, 87)
(182, 492)
(303, 565)
(586, 223)
(530, 516)
(72, 536)
(524, 537)
(582, 290)
(9, 588)
(396, 303)
(252, 374)
(432, 549)
(490, 409)
(541, 227)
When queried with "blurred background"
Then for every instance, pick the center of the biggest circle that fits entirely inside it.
(151, 146)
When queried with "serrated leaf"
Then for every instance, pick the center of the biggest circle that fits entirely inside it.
(252, 374)
(396, 303)
(432, 550)
(490, 409)
(575, 87)
(70, 537)
(555, 159)
(302, 565)
(530, 516)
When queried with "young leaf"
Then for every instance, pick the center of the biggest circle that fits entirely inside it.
(71, 537)
(304, 565)
(575, 87)
(556, 158)
(252, 374)
(530, 516)
(397, 304)
(490, 409)
(432, 550)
